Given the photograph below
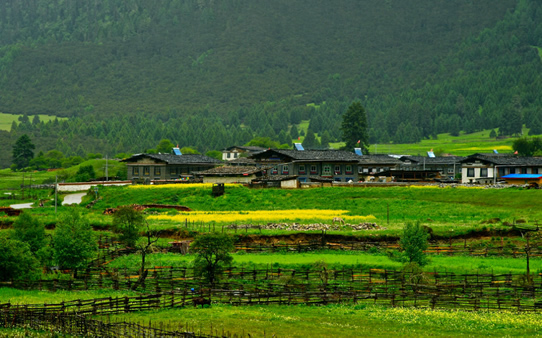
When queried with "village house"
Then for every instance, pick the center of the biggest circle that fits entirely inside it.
(235, 152)
(311, 165)
(447, 166)
(371, 165)
(149, 167)
(490, 168)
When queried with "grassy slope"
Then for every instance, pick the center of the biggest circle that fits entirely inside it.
(7, 119)
(448, 207)
(13, 180)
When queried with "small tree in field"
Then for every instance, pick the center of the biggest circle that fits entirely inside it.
(29, 230)
(414, 243)
(212, 254)
(74, 242)
(129, 224)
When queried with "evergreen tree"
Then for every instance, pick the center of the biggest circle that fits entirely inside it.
(325, 139)
(536, 127)
(310, 141)
(294, 133)
(354, 128)
(23, 152)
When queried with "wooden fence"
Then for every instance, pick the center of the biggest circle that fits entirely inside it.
(365, 283)
(72, 317)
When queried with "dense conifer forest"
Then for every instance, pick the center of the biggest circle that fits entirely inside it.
(210, 74)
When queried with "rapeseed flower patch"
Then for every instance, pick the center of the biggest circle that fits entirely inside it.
(262, 216)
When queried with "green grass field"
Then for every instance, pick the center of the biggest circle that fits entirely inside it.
(343, 321)
(7, 119)
(444, 209)
(337, 260)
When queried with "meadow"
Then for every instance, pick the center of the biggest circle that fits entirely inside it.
(7, 119)
(449, 211)
(339, 259)
(345, 320)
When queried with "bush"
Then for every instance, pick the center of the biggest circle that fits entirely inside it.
(16, 260)
(414, 243)
(29, 230)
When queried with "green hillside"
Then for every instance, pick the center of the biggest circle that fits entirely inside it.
(212, 74)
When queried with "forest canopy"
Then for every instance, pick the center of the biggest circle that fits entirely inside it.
(210, 74)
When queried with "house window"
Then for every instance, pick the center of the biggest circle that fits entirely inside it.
(366, 170)
(301, 169)
(470, 172)
(173, 171)
(156, 171)
(285, 170)
(229, 155)
(450, 170)
(274, 171)
(501, 172)
(327, 170)
(348, 169)
(135, 171)
(512, 170)
(337, 169)
(146, 171)
(314, 170)
(483, 172)
(523, 170)
(535, 171)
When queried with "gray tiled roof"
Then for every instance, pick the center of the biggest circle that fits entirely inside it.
(505, 160)
(379, 159)
(433, 160)
(176, 159)
(312, 155)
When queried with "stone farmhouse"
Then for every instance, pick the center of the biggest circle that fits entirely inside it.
(148, 167)
(447, 166)
(311, 165)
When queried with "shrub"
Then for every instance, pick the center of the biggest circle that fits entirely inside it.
(16, 260)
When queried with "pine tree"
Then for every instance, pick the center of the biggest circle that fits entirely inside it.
(354, 128)
(23, 152)
(310, 141)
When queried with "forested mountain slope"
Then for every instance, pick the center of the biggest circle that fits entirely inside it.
(130, 72)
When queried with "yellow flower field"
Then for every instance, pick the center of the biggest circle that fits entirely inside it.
(262, 216)
(181, 186)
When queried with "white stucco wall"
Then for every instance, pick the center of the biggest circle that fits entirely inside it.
(69, 187)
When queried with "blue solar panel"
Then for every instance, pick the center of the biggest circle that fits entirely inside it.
(298, 146)
(177, 151)
(495, 151)
(430, 154)
(358, 151)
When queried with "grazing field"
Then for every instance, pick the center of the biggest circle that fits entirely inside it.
(345, 321)
(337, 260)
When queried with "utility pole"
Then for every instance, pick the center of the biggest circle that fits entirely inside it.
(106, 172)
(56, 189)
